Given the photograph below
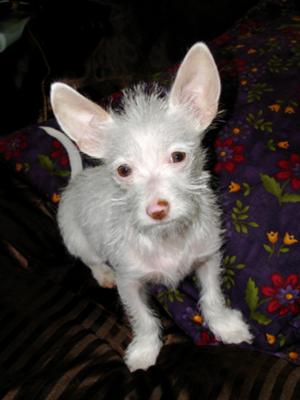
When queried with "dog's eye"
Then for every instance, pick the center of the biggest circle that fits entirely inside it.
(178, 156)
(124, 170)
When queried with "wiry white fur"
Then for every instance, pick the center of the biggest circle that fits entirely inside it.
(102, 216)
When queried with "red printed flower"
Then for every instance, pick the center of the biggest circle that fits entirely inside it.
(290, 170)
(60, 153)
(205, 338)
(240, 64)
(228, 154)
(13, 146)
(222, 39)
(284, 294)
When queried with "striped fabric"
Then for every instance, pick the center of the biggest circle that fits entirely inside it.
(62, 337)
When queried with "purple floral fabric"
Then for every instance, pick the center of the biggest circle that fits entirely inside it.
(257, 153)
(258, 166)
(40, 159)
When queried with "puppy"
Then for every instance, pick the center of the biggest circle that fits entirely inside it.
(148, 209)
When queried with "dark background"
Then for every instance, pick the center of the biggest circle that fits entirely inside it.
(98, 46)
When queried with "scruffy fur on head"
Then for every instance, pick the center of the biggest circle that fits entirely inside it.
(148, 209)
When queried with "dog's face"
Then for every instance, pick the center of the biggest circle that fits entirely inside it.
(155, 158)
(152, 148)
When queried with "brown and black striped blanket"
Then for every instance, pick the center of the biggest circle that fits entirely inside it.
(62, 337)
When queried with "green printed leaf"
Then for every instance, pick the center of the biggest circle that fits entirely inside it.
(170, 295)
(230, 272)
(237, 210)
(290, 198)
(231, 268)
(253, 224)
(232, 260)
(244, 229)
(261, 318)
(250, 118)
(62, 173)
(226, 260)
(245, 209)
(268, 248)
(257, 121)
(269, 127)
(271, 185)
(284, 250)
(282, 340)
(243, 217)
(247, 189)
(45, 162)
(177, 295)
(271, 145)
(251, 295)
(237, 228)
(239, 204)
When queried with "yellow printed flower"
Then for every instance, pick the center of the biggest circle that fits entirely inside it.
(236, 130)
(254, 69)
(252, 51)
(293, 355)
(289, 296)
(55, 198)
(243, 82)
(239, 46)
(289, 110)
(198, 319)
(271, 339)
(272, 237)
(19, 167)
(283, 144)
(289, 239)
(234, 187)
(275, 107)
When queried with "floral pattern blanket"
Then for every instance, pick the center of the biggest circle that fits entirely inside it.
(257, 151)
(258, 167)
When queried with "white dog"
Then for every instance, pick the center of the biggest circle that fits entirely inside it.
(148, 209)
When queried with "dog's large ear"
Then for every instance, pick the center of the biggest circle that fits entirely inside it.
(197, 86)
(79, 118)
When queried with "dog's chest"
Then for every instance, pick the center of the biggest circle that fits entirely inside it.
(166, 261)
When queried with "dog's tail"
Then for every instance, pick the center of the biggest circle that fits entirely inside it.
(73, 153)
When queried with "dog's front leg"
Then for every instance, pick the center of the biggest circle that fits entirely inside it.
(146, 343)
(226, 324)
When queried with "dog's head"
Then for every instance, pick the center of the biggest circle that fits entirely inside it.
(152, 147)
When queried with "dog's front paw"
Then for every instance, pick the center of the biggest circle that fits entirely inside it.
(142, 353)
(229, 327)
